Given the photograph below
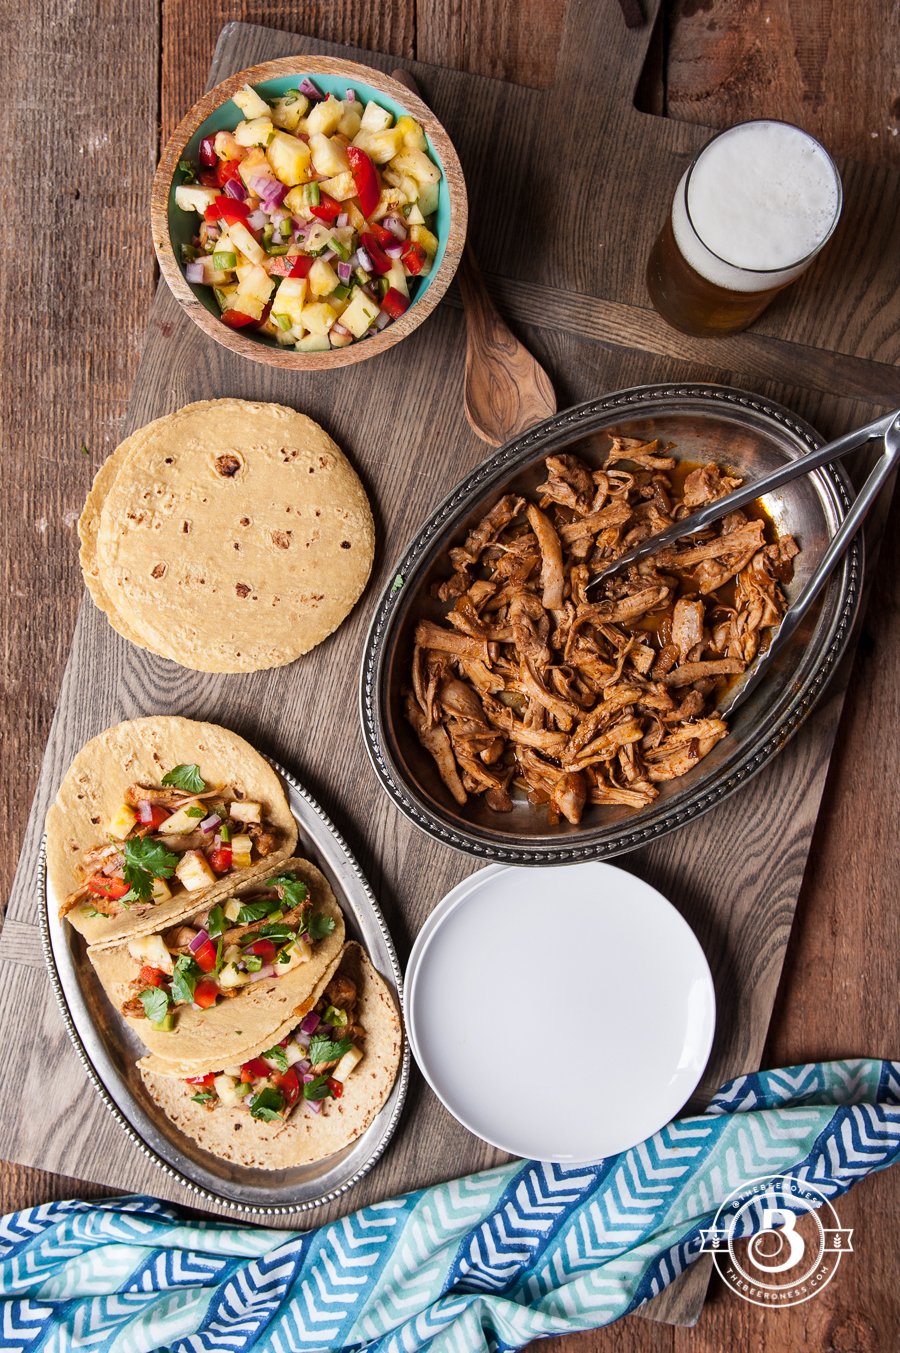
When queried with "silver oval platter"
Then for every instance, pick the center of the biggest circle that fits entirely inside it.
(109, 1050)
(704, 422)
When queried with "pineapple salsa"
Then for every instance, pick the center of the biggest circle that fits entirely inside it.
(316, 216)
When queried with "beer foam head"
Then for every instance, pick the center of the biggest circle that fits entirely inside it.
(761, 198)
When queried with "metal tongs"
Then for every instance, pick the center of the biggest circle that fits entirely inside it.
(887, 428)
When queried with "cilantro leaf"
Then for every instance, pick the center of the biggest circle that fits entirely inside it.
(279, 934)
(186, 777)
(295, 890)
(203, 1097)
(268, 1104)
(318, 925)
(255, 911)
(187, 169)
(278, 1056)
(145, 860)
(317, 1089)
(327, 1050)
(156, 1004)
(216, 923)
(184, 979)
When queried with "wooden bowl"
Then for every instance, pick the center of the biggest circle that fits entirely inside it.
(172, 227)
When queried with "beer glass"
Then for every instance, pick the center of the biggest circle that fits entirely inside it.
(750, 214)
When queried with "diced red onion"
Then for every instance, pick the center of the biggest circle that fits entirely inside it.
(257, 219)
(370, 332)
(325, 1030)
(145, 807)
(310, 1023)
(267, 970)
(274, 195)
(198, 941)
(361, 260)
(211, 823)
(235, 188)
(314, 1105)
(212, 232)
(343, 220)
(393, 250)
(339, 329)
(350, 95)
(303, 1066)
(344, 271)
(259, 183)
(328, 255)
(301, 1039)
(382, 320)
(310, 90)
(279, 215)
(395, 226)
(194, 273)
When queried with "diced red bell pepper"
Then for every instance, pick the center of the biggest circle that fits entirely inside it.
(264, 949)
(157, 817)
(104, 885)
(220, 856)
(206, 993)
(206, 1081)
(395, 303)
(228, 210)
(326, 209)
(365, 176)
(382, 235)
(336, 1087)
(288, 1083)
(225, 170)
(208, 154)
(150, 976)
(380, 261)
(413, 258)
(205, 956)
(254, 1070)
(236, 319)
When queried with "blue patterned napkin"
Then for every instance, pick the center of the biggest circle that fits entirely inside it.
(489, 1262)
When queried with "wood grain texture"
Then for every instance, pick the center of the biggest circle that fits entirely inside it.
(836, 991)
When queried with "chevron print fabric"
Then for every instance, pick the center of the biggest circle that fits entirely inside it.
(489, 1262)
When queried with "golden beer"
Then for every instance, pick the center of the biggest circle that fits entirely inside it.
(748, 217)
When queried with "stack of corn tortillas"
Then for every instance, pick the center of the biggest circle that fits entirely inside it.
(228, 536)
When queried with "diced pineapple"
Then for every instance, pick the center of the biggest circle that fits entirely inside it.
(254, 162)
(413, 135)
(341, 187)
(184, 820)
(351, 1059)
(294, 1053)
(324, 117)
(290, 299)
(420, 234)
(244, 861)
(318, 317)
(247, 810)
(213, 276)
(160, 891)
(121, 823)
(188, 197)
(289, 158)
(250, 103)
(391, 202)
(417, 164)
(226, 147)
(299, 951)
(151, 950)
(254, 291)
(408, 186)
(318, 238)
(428, 198)
(255, 133)
(193, 872)
(360, 313)
(350, 119)
(224, 1087)
(229, 974)
(232, 908)
(296, 206)
(289, 111)
(414, 215)
(322, 278)
(384, 145)
(357, 220)
(241, 844)
(396, 278)
(375, 118)
(314, 343)
(328, 156)
(242, 239)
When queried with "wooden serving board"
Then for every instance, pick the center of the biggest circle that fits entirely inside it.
(567, 188)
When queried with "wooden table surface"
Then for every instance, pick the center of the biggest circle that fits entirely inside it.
(72, 328)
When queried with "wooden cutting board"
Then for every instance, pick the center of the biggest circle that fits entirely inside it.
(567, 188)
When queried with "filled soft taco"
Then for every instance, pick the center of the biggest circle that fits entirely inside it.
(308, 1088)
(156, 813)
(223, 975)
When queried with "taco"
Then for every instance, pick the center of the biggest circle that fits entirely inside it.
(155, 813)
(307, 1090)
(238, 965)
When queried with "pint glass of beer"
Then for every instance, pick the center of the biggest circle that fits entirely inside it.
(751, 213)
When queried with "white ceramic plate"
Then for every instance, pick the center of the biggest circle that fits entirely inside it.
(560, 1014)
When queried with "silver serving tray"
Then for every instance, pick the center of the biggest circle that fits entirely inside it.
(109, 1050)
(706, 422)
